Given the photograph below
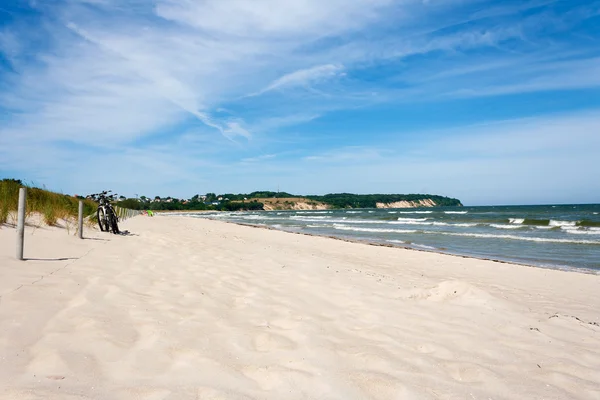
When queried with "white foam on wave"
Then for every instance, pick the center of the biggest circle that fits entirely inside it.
(455, 212)
(396, 241)
(582, 232)
(562, 223)
(392, 212)
(302, 217)
(515, 237)
(256, 217)
(415, 212)
(374, 230)
(461, 225)
(516, 220)
(354, 212)
(423, 221)
(342, 220)
(423, 246)
(502, 226)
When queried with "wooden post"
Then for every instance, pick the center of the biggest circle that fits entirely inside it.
(21, 223)
(80, 219)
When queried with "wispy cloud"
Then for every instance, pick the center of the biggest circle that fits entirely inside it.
(304, 77)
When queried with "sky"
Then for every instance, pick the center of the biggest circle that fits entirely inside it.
(491, 102)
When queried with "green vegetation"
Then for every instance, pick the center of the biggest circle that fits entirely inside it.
(194, 204)
(52, 206)
(252, 201)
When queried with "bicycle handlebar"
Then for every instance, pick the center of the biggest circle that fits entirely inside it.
(104, 195)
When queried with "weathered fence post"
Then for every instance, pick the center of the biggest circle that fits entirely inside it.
(21, 222)
(80, 226)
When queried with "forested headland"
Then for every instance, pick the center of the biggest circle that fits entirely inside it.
(261, 200)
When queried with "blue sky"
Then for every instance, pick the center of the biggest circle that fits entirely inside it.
(492, 102)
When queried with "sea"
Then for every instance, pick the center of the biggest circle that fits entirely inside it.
(550, 236)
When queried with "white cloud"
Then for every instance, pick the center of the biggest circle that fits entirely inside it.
(304, 77)
(273, 18)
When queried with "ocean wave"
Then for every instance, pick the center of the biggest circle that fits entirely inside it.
(422, 246)
(580, 232)
(302, 217)
(257, 217)
(587, 222)
(455, 212)
(515, 237)
(343, 221)
(392, 212)
(551, 223)
(415, 212)
(396, 241)
(413, 219)
(501, 226)
(408, 221)
(461, 225)
(354, 212)
(374, 230)
(562, 223)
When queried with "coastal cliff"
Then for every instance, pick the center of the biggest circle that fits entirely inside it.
(408, 204)
(299, 203)
(292, 203)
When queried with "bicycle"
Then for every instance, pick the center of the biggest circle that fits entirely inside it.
(106, 214)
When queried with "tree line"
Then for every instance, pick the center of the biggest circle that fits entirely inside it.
(250, 201)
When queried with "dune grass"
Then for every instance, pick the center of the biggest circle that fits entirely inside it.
(52, 206)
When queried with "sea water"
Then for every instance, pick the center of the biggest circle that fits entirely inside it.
(561, 236)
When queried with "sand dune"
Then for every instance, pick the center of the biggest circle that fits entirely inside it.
(194, 309)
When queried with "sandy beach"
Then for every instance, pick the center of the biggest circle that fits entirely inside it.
(185, 308)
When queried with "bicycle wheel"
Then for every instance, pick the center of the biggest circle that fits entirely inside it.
(102, 220)
(113, 224)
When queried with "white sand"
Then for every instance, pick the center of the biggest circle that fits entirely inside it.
(195, 309)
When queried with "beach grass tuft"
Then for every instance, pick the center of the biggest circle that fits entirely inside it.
(52, 206)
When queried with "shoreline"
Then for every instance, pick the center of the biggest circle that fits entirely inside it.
(562, 268)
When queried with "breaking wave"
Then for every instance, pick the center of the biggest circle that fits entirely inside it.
(375, 230)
